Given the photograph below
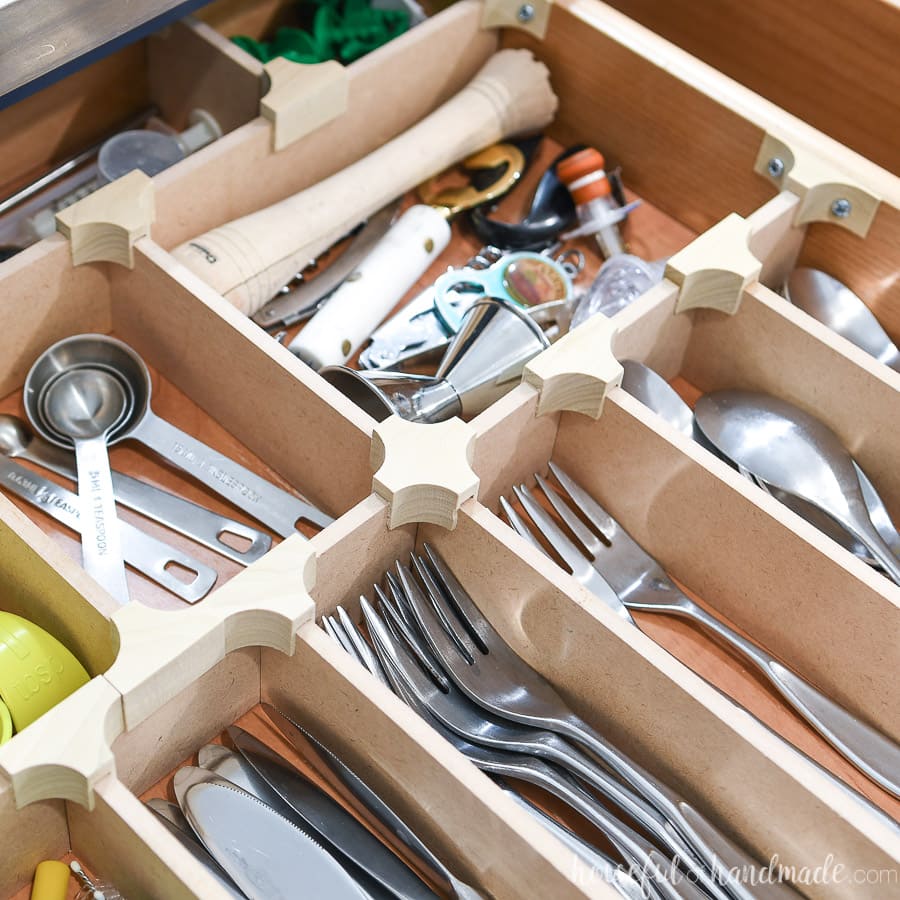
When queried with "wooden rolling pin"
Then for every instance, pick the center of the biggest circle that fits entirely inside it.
(249, 259)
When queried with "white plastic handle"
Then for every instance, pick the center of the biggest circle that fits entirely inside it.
(358, 306)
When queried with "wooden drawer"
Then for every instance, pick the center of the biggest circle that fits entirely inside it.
(829, 64)
(168, 678)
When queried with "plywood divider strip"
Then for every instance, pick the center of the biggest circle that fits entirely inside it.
(279, 408)
(437, 57)
(807, 601)
(263, 605)
(423, 471)
(478, 831)
(66, 752)
(642, 699)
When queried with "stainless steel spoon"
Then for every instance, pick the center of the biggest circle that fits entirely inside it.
(795, 452)
(835, 305)
(84, 405)
(206, 527)
(655, 392)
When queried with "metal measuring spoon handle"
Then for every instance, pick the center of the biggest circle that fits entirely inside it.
(84, 405)
(259, 498)
(190, 519)
(145, 553)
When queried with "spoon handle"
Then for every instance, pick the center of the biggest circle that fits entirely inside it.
(868, 534)
(101, 544)
(872, 752)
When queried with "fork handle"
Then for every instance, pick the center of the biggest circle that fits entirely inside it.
(701, 835)
(872, 752)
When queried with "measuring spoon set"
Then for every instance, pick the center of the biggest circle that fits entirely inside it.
(88, 392)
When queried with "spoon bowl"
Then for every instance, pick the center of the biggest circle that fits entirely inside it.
(648, 386)
(835, 305)
(96, 352)
(74, 404)
(84, 404)
(657, 394)
(793, 451)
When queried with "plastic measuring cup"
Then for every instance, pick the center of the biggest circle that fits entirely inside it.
(36, 671)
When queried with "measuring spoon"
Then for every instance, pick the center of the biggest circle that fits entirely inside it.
(261, 499)
(196, 522)
(152, 557)
(84, 405)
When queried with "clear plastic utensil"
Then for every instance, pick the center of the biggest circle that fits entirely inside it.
(85, 404)
(90, 889)
(621, 280)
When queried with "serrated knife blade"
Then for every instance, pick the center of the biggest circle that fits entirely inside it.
(266, 856)
(338, 830)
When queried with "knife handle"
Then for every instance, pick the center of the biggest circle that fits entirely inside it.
(372, 290)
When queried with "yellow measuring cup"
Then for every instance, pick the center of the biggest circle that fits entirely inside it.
(6, 725)
(36, 671)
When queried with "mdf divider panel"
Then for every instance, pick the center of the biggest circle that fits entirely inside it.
(41, 584)
(823, 612)
(771, 346)
(30, 835)
(391, 88)
(479, 833)
(261, 393)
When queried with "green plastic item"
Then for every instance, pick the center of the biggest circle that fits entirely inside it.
(36, 670)
(343, 30)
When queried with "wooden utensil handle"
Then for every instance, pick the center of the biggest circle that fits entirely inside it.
(249, 259)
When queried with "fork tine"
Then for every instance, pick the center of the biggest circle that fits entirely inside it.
(442, 577)
(407, 679)
(399, 598)
(336, 633)
(592, 510)
(555, 536)
(361, 648)
(412, 640)
(433, 622)
(567, 514)
(519, 526)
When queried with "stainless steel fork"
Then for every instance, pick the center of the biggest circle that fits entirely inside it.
(413, 685)
(474, 723)
(642, 584)
(498, 679)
